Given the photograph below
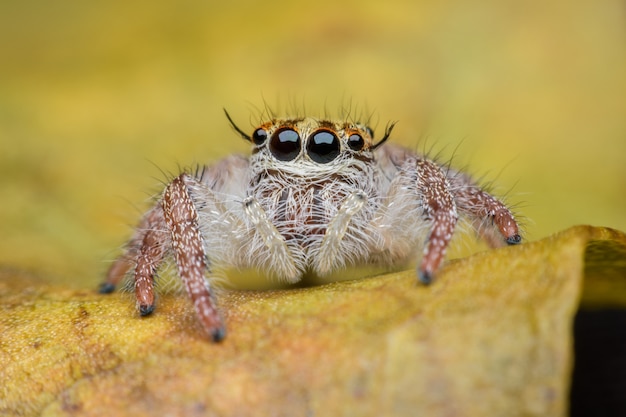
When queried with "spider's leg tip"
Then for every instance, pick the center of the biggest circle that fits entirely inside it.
(424, 277)
(146, 309)
(106, 288)
(218, 334)
(514, 240)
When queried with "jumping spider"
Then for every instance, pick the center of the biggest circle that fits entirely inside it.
(314, 196)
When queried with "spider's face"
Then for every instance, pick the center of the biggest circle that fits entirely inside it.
(311, 141)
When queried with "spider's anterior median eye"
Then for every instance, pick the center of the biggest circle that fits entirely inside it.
(259, 136)
(285, 144)
(356, 142)
(323, 146)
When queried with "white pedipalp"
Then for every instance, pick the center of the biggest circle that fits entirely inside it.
(325, 260)
(273, 240)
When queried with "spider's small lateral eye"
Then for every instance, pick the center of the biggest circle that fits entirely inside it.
(356, 142)
(323, 146)
(259, 136)
(285, 144)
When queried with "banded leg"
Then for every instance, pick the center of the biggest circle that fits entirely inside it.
(482, 207)
(181, 218)
(145, 251)
(439, 206)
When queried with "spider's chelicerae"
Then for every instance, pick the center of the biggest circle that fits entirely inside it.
(314, 196)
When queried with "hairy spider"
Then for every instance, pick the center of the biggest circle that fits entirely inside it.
(314, 196)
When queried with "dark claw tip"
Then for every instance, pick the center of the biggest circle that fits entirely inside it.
(514, 240)
(145, 310)
(217, 335)
(106, 288)
(425, 277)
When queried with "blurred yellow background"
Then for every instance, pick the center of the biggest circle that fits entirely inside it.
(96, 98)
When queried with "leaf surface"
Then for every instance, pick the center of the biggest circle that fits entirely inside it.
(492, 336)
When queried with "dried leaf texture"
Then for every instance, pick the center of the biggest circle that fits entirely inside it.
(492, 336)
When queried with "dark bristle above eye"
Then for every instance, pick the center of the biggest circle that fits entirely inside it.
(323, 146)
(388, 130)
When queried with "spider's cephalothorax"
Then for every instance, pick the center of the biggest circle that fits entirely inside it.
(313, 197)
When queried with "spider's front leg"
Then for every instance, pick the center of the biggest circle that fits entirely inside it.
(438, 206)
(172, 223)
(181, 218)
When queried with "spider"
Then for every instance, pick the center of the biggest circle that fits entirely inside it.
(314, 196)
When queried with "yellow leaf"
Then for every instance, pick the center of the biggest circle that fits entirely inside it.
(492, 336)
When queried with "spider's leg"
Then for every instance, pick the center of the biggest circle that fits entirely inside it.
(153, 246)
(144, 251)
(439, 207)
(181, 218)
(484, 211)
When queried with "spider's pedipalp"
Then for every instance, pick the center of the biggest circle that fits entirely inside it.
(337, 228)
(284, 264)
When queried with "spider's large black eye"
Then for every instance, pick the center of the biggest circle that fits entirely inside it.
(356, 142)
(259, 136)
(323, 146)
(285, 144)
